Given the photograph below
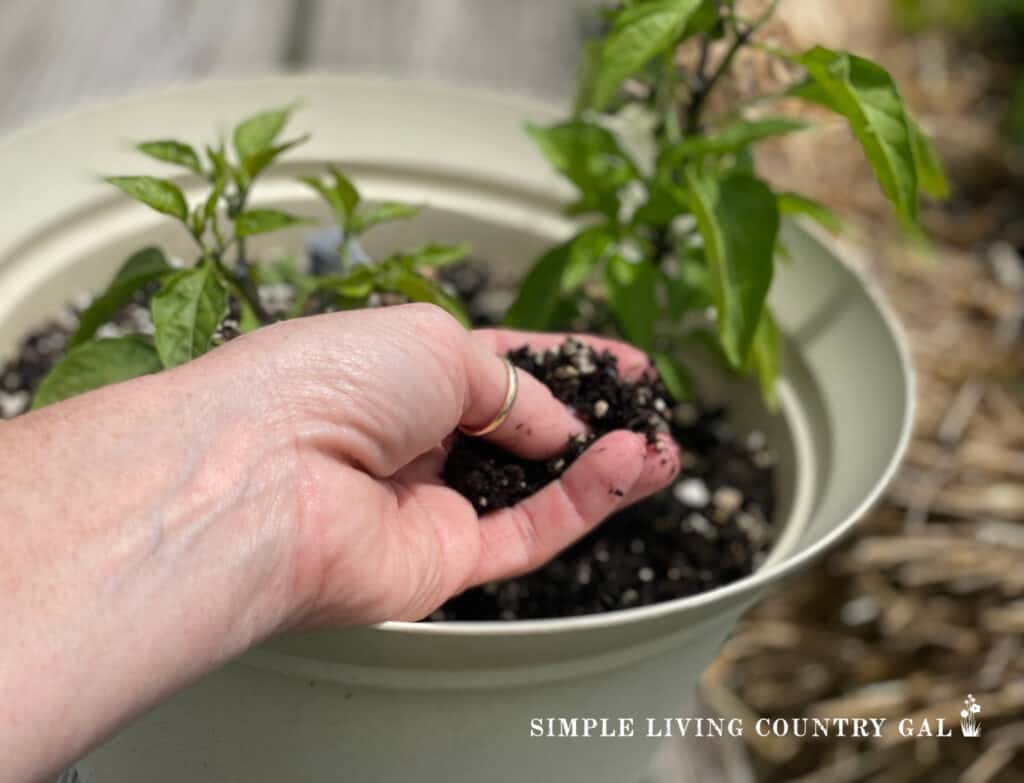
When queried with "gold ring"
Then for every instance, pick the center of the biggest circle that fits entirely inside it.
(506, 406)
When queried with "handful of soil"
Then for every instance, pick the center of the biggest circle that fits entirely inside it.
(591, 385)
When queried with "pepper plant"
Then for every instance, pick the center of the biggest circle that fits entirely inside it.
(680, 235)
(193, 307)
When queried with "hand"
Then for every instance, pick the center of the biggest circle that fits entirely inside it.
(157, 528)
(370, 398)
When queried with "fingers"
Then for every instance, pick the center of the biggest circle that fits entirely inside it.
(538, 425)
(617, 470)
(632, 361)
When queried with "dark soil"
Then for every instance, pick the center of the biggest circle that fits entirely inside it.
(587, 382)
(710, 528)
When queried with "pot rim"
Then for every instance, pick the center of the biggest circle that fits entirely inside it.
(531, 106)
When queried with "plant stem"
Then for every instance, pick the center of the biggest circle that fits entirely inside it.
(667, 99)
(704, 85)
(242, 278)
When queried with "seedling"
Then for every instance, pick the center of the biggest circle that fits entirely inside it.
(681, 234)
(193, 307)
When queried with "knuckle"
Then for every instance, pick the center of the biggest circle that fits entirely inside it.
(434, 322)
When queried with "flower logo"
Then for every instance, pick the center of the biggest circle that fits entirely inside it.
(970, 726)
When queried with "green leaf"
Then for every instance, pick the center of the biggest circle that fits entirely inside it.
(539, 293)
(171, 151)
(357, 284)
(864, 93)
(674, 375)
(631, 297)
(186, 313)
(341, 195)
(738, 217)
(930, 174)
(210, 207)
(590, 157)
(641, 31)
(281, 270)
(420, 289)
(158, 194)
(690, 288)
(795, 204)
(219, 163)
(766, 357)
(586, 78)
(367, 216)
(436, 255)
(263, 221)
(733, 138)
(257, 133)
(706, 20)
(253, 164)
(141, 268)
(249, 321)
(95, 364)
(587, 251)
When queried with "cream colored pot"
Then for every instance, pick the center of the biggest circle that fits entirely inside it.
(449, 701)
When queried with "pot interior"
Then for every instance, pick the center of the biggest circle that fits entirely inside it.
(845, 392)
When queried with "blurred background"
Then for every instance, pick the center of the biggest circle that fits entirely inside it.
(926, 602)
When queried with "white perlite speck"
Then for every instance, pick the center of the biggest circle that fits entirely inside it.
(692, 492)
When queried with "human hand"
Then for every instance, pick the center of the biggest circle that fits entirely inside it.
(365, 400)
(290, 478)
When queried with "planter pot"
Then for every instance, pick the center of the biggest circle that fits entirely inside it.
(451, 701)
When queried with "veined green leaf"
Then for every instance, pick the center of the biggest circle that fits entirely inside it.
(795, 204)
(186, 313)
(141, 268)
(158, 194)
(263, 221)
(631, 298)
(930, 174)
(734, 137)
(367, 216)
(539, 293)
(95, 364)
(864, 93)
(171, 151)
(641, 31)
(765, 357)
(590, 157)
(738, 217)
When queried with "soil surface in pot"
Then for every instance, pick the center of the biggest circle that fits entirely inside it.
(710, 528)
